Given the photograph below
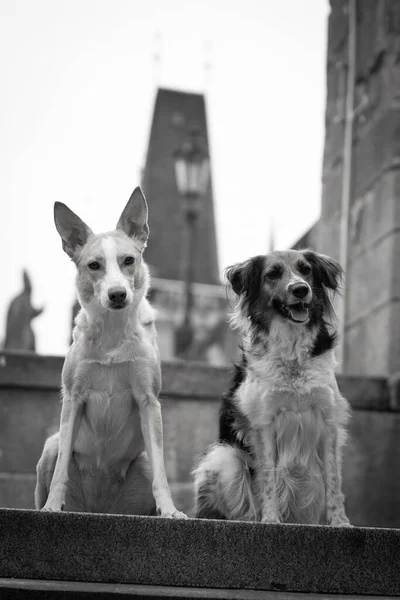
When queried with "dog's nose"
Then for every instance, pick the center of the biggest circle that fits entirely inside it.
(117, 295)
(299, 290)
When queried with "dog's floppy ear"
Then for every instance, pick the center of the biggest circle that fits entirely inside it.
(245, 276)
(73, 231)
(326, 270)
(234, 275)
(133, 220)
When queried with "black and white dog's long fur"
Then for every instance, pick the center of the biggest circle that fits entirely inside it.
(282, 423)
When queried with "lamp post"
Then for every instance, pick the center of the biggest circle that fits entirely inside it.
(192, 170)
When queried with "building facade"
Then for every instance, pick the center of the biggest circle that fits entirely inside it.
(360, 211)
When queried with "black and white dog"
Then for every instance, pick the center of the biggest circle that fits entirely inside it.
(282, 423)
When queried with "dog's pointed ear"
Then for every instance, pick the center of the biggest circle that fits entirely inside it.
(133, 220)
(73, 231)
(326, 270)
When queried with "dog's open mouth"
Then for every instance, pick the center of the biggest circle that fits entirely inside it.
(297, 312)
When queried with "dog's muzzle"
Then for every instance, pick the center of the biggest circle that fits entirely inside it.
(296, 306)
(117, 298)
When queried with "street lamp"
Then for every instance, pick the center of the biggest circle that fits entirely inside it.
(192, 170)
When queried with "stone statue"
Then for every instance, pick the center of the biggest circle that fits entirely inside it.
(19, 333)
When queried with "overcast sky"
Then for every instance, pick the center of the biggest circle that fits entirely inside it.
(78, 82)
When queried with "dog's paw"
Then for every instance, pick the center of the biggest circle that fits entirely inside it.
(53, 506)
(172, 514)
(341, 524)
(339, 520)
(270, 521)
(269, 516)
(177, 514)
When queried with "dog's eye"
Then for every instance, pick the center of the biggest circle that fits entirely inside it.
(304, 269)
(129, 260)
(274, 273)
(94, 265)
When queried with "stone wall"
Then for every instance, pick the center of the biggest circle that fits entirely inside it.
(372, 335)
(30, 411)
(30, 407)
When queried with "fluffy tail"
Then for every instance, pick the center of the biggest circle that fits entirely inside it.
(222, 485)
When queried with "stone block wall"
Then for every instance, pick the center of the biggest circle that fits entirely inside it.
(30, 412)
(30, 408)
(372, 341)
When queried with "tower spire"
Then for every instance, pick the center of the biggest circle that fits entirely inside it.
(157, 58)
(271, 240)
(208, 64)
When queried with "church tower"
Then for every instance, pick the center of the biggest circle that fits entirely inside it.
(175, 114)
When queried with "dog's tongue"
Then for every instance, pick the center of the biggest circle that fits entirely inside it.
(298, 312)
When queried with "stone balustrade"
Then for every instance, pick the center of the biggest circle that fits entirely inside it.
(30, 408)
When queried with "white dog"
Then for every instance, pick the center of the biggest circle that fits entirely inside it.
(108, 454)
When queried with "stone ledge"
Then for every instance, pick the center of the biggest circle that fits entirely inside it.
(32, 589)
(182, 380)
(198, 553)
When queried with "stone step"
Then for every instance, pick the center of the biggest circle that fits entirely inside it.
(32, 589)
(219, 555)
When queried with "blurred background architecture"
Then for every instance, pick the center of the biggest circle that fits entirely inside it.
(89, 86)
(359, 216)
(182, 249)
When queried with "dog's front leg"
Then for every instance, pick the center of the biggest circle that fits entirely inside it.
(266, 454)
(152, 430)
(336, 514)
(71, 417)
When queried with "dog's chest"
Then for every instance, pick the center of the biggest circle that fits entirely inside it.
(111, 423)
(107, 393)
(290, 390)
